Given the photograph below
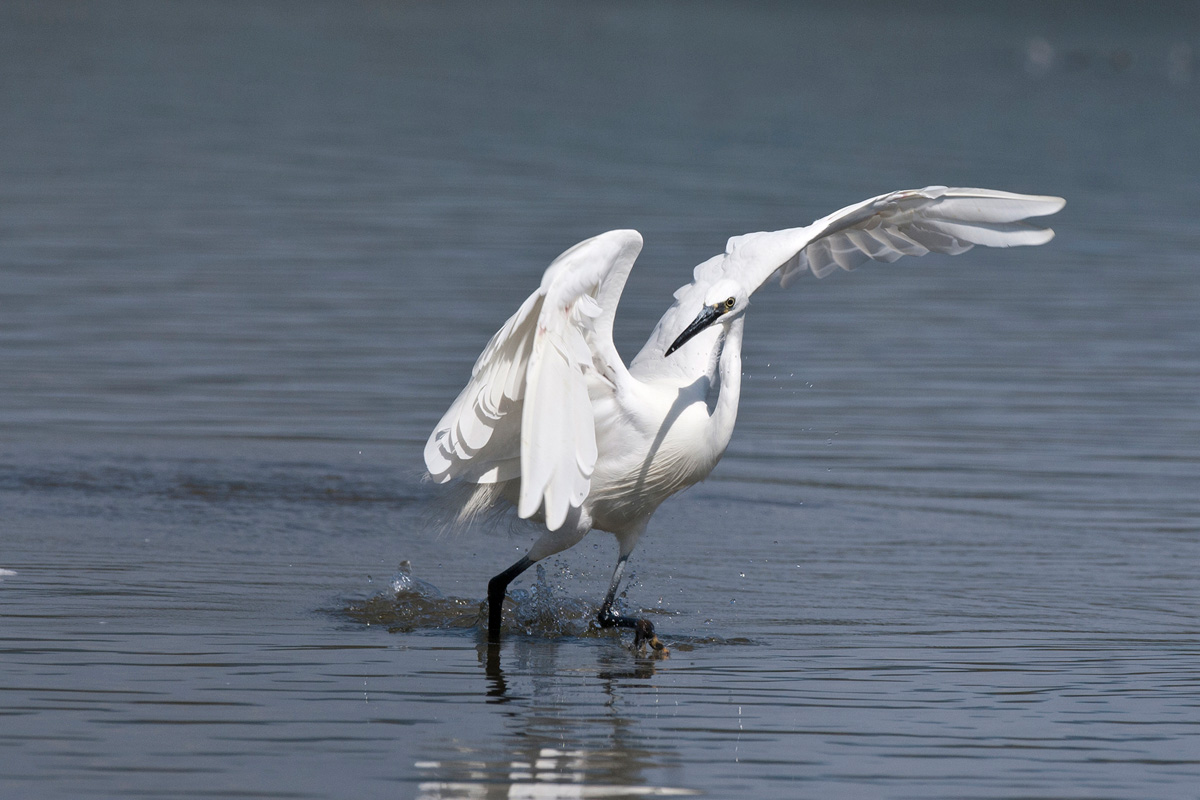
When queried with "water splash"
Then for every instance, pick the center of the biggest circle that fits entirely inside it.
(543, 610)
(412, 604)
(404, 582)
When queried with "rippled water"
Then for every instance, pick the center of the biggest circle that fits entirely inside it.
(248, 253)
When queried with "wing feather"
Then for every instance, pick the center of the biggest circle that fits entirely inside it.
(912, 222)
(897, 244)
(526, 412)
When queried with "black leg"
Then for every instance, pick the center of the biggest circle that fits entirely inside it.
(497, 587)
(643, 629)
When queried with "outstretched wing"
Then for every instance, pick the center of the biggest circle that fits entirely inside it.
(913, 222)
(527, 412)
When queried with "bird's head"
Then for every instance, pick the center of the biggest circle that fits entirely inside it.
(725, 301)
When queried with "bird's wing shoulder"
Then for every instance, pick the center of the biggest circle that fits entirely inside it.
(527, 410)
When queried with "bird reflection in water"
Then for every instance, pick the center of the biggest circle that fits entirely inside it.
(613, 669)
(542, 754)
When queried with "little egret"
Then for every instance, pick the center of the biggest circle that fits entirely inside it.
(554, 423)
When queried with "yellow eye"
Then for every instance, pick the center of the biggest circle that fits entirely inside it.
(729, 303)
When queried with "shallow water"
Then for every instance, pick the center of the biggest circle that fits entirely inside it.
(248, 253)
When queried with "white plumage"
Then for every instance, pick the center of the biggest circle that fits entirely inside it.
(553, 422)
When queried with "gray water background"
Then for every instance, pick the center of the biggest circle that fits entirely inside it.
(249, 251)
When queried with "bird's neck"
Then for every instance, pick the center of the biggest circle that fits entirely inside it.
(727, 385)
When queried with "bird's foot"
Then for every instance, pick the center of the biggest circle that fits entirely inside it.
(643, 631)
(643, 635)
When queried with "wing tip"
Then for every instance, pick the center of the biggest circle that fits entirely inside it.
(1046, 204)
(1042, 204)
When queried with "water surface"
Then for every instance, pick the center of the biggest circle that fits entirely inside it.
(248, 253)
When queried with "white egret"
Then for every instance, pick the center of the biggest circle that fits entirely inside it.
(554, 423)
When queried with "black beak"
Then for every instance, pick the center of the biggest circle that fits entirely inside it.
(707, 317)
